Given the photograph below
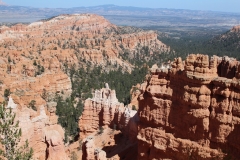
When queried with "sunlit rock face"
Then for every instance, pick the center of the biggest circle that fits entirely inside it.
(41, 130)
(190, 109)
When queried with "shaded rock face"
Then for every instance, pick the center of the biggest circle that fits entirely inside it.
(104, 110)
(227, 67)
(190, 109)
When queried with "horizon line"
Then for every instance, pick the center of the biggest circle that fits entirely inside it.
(7, 5)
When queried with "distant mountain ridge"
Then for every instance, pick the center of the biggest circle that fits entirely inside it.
(116, 10)
(120, 15)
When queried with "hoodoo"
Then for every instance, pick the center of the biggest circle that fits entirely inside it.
(104, 110)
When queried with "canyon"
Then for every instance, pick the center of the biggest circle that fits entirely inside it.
(185, 109)
(34, 69)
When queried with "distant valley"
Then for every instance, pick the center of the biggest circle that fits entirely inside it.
(164, 19)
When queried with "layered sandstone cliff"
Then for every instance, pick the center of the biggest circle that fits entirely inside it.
(189, 109)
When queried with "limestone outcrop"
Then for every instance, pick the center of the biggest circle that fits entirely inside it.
(104, 111)
(189, 109)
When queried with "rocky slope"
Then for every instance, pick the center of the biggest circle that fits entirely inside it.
(190, 110)
(31, 54)
(72, 39)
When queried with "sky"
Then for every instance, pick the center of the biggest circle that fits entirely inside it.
(212, 5)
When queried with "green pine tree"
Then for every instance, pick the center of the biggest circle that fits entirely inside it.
(10, 135)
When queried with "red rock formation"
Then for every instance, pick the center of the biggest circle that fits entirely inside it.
(33, 64)
(104, 110)
(190, 110)
(135, 92)
(236, 29)
(41, 130)
(72, 38)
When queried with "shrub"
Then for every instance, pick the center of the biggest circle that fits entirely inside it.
(100, 130)
(32, 105)
(134, 108)
(6, 93)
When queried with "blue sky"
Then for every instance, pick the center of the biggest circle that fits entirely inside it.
(214, 5)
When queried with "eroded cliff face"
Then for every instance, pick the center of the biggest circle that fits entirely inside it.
(35, 57)
(68, 40)
(190, 109)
